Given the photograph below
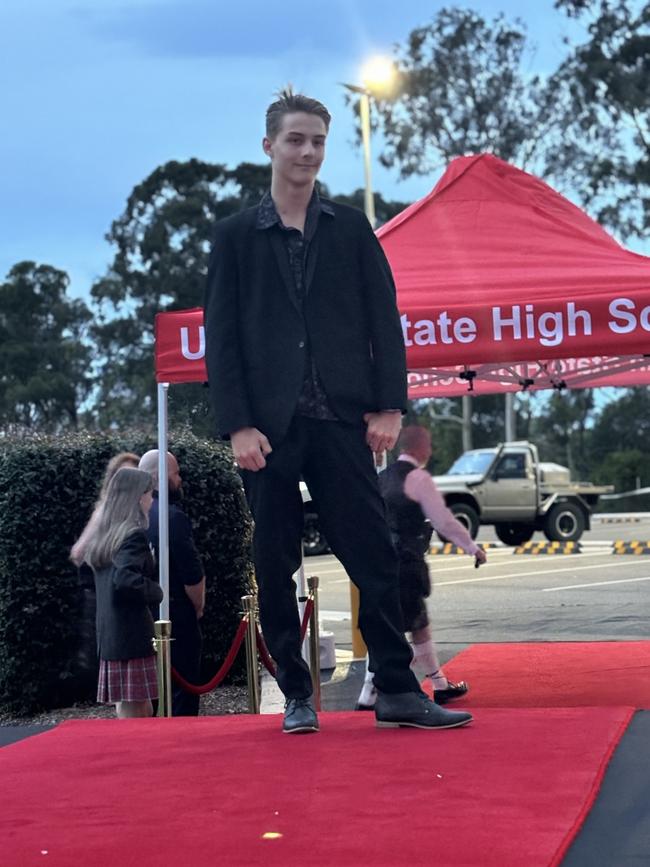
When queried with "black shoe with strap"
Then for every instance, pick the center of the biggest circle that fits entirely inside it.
(299, 716)
(416, 710)
(454, 690)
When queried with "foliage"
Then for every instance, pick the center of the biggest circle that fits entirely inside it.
(162, 243)
(560, 431)
(43, 357)
(601, 119)
(47, 489)
(622, 425)
(462, 89)
(626, 469)
(385, 210)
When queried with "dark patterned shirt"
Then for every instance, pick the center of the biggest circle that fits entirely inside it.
(312, 401)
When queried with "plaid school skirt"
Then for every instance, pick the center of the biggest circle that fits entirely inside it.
(127, 680)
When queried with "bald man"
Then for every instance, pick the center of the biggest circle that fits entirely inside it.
(186, 583)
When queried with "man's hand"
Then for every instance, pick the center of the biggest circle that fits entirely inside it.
(480, 557)
(250, 447)
(383, 430)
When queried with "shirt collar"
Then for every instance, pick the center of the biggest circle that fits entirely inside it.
(408, 458)
(267, 213)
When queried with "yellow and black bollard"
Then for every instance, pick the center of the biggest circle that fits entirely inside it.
(162, 646)
(248, 605)
(314, 641)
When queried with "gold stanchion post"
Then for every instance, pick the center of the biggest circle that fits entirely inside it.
(359, 649)
(248, 605)
(162, 645)
(314, 641)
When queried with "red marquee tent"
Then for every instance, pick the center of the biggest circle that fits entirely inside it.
(502, 280)
(502, 284)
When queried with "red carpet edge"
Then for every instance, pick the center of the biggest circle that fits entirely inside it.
(591, 797)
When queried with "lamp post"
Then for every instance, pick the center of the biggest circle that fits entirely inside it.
(376, 75)
(364, 116)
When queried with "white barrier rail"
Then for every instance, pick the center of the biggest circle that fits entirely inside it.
(634, 493)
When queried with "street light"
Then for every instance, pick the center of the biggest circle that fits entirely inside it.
(377, 75)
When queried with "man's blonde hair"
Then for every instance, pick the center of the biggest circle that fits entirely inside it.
(289, 102)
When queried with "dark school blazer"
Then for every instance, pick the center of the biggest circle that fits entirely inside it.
(126, 590)
(256, 335)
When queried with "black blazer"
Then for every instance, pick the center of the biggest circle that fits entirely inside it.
(125, 591)
(256, 336)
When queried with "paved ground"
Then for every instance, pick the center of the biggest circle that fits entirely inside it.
(590, 596)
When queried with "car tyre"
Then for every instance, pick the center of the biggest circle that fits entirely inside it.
(565, 522)
(313, 541)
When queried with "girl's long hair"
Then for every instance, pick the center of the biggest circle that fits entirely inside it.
(122, 459)
(120, 514)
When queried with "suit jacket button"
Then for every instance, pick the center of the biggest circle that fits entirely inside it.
(301, 344)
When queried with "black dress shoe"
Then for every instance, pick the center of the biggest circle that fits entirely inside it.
(454, 690)
(416, 710)
(299, 716)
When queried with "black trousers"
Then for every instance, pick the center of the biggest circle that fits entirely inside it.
(338, 467)
(186, 656)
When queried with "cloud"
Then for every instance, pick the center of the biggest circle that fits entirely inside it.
(201, 28)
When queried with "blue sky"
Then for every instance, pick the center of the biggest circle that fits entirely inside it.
(94, 94)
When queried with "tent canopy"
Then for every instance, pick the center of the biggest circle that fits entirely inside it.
(501, 278)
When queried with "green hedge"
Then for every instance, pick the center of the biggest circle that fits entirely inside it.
(48, 486)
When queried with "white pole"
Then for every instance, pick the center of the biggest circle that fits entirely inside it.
(467, 422)
(163, 500)
(511, 422)
(364, 111)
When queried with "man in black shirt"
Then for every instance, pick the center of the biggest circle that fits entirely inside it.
(186, 584)
(306, 365)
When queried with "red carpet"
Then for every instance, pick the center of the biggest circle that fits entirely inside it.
(554, 674)
(511, 790)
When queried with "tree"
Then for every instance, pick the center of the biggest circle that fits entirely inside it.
(462, 89)
(622, 425)
(44, 358)
(601, 119)
(561, 430)
(385, 210)
(162, 244)
(585, 128)
(626, 469)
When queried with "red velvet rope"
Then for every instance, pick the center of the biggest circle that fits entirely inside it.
(265, 656)
(309, 607)
(223, 671)
(262, 649)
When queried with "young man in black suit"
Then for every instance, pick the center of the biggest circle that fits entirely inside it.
(307, 373)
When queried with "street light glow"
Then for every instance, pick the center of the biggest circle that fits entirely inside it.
(378, 73)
